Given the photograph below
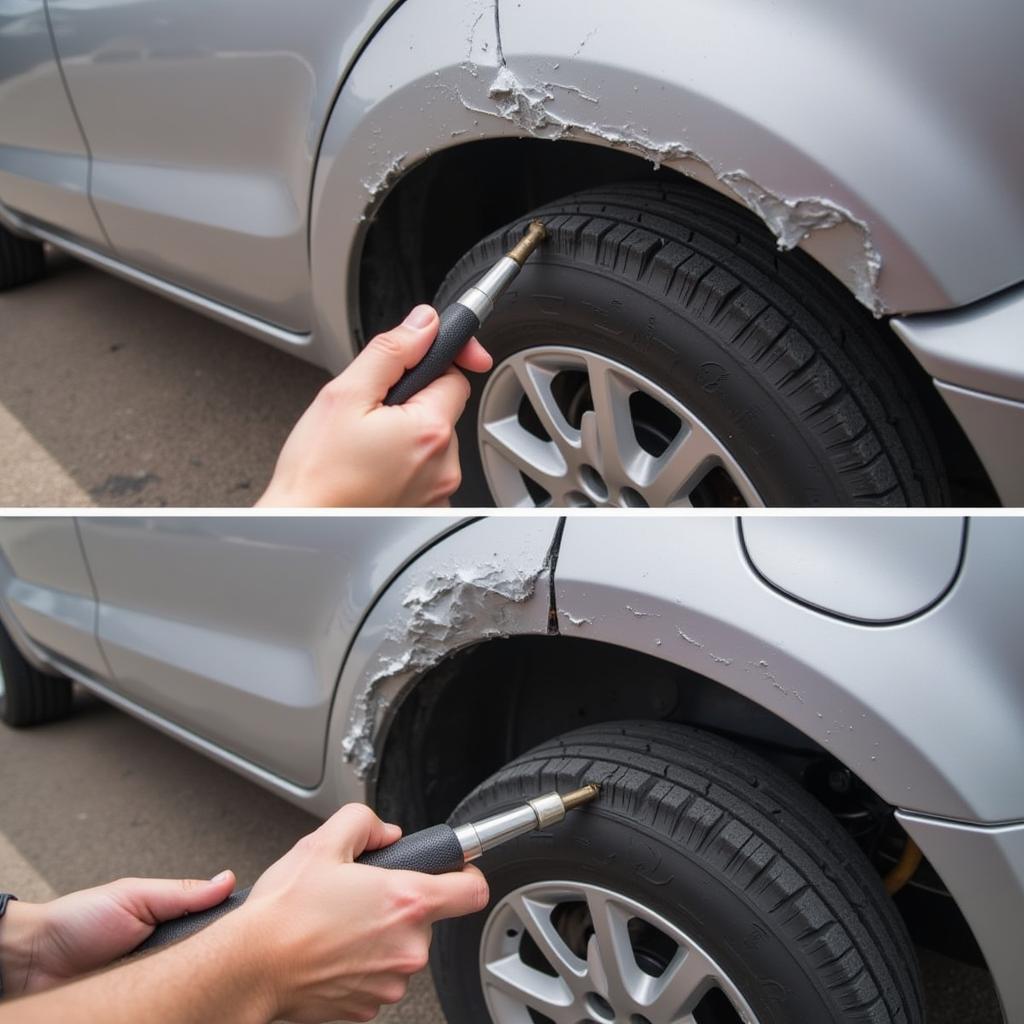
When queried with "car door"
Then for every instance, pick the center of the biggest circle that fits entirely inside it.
(204, 120)
(235, 629)
(44, 162)
(45, 587)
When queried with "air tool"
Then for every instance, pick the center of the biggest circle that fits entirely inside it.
(465, 315)
(433, 850)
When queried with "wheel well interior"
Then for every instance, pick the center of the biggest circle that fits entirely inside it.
(425, 224)
(486, 704)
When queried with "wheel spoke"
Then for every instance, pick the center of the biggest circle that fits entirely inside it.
(537, 459)
(670, 478)
(525, 985)
(535, 380)
(535, 916)
(613, 969)
(685, 981)
(617, 432)
(610, 435)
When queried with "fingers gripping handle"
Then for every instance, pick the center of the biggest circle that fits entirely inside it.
(433, 851)
(457, 325)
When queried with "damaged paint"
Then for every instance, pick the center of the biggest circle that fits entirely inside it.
(438, 615)
(576, 620)
(381, 180)
(792, 220)
(529, 104)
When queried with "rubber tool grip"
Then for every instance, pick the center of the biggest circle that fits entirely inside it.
(181, 927)
(433, 851)
(458, 323)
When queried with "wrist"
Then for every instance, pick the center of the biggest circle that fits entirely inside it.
(21, 932)
(243, 946)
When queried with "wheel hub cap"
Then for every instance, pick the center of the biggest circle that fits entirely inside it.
(575, 953)
(563, 426)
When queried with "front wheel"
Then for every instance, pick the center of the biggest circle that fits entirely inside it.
(658, 350)
(703, 887)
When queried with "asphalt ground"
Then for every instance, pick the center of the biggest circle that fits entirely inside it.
(113, 396)
(101, 795)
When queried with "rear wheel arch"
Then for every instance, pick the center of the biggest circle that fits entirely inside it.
(466, 718)
(424, 225)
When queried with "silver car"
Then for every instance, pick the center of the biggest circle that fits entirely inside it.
(787, 239)
(807, 731)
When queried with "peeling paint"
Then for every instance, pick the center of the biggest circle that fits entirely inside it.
(792, 220)
(581, 620)
(529, 104)
(438, 615)
(689, 639)
(384, 176)
(641, 615)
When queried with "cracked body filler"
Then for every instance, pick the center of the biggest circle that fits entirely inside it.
(530, 104)
(438, 615)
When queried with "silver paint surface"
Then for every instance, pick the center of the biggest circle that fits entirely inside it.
(887, 700)
(869, 568)
(980, 348)
(45, 588)
(995, 428)
(44, 164)
(235, 628)
(204, 121)
(983, 868)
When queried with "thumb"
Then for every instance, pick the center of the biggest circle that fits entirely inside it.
(372, 373)
(153, 900)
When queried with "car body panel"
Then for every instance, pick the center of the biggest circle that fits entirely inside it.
(983, 868)
(46, 589)
(976, 357)
(874, 569)
(44, 162)
(204, 120)
(889, 701)
(235, 628)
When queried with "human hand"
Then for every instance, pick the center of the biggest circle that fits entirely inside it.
(44, 944)
(349, 449)
(338, 939)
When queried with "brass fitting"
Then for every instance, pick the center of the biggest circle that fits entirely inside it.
(535, 234)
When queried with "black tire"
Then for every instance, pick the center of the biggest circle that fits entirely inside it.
(724, 846)
(28, 696)
(809, 393)
(21, 260)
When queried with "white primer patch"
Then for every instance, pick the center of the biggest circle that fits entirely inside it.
(528, 105)
(440, 614)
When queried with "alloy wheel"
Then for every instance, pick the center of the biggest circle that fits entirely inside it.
(562, 952)
(567, 427)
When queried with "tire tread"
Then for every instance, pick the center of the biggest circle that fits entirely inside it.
(758, 831)
(714, 261)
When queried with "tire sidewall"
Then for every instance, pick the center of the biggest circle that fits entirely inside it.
(558, 302)
(616, 853)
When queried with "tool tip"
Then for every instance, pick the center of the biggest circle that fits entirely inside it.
(535, 234)
(578, 797)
